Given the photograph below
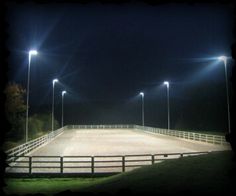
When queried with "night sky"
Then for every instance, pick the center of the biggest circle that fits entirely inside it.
(104, 55)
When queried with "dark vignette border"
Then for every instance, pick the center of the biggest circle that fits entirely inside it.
(4, 53)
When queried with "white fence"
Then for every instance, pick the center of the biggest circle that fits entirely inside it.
(99, 126)
(33, 144)
(208, 138)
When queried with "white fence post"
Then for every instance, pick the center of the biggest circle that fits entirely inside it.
(215, 139)
(31, 145)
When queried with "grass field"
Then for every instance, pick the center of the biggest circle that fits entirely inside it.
(47, 186)
(198, 175)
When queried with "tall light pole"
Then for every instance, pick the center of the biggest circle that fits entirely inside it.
(53, 84)
(62, 107)
(168, 104)
(31, 52)
(224, 59)
(142, 95)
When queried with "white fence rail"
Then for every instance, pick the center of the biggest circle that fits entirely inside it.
(100, 126)
(33, 144)
(208, 138)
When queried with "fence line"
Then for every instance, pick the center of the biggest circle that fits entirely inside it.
(33, 144)
(88, 164)
(100, 126)
(208, 138)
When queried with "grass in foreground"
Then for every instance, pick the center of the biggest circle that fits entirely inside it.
(206, 174)
(47, 186)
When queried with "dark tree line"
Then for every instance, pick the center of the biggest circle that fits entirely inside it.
(15, 109)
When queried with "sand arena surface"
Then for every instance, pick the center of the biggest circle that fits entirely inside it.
(93, 142)
(107, 142)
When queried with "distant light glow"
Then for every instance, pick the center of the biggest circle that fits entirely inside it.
(33, 52)
(141, 93)
(166, 83)
(222, 58)
(63, 92)
(55, 80)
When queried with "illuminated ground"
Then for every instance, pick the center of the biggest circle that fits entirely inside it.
(98, 142)
(119, 142)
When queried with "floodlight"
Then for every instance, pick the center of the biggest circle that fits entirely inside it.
(33, 52)
(55, 80)
(63, 92)
(222, 58)
(166, 83)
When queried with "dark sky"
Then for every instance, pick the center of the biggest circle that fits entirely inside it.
(104, 55)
